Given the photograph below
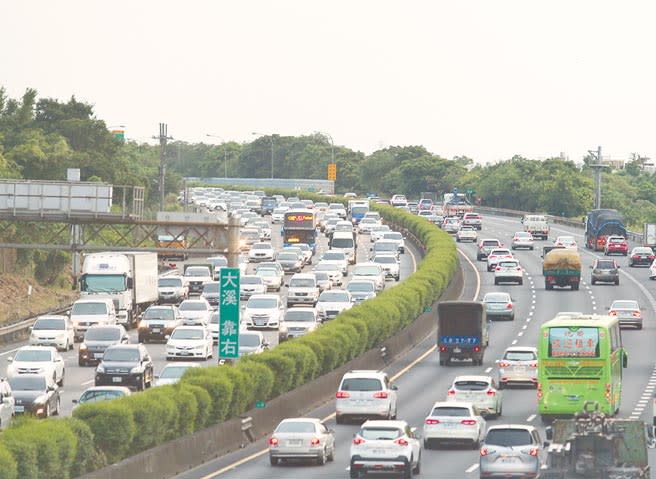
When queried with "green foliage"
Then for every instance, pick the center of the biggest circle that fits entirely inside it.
(203, 404)
(112, 425)
(219, 388)
(8, 465)
(87, 456)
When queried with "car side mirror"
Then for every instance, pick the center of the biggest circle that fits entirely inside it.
(30, 329)
(395, 388)
(10, 359)
(156, 376)
(125, 339)
(625, 360)
(167, 336)
(549, 433)
(59, 359)
(591, 267)
(75, 401)
(51, 388)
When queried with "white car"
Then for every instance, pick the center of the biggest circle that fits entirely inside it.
(272, 278)
(399, 200)
(390, 264)
(497, 255)
(518, 366)
(522, 239)
(365, 394)
(365, 225)
(453, 422)
(53, 330)
(261, 252)
(395, 236)
(251, 342)
(298, 322)
(323, 281)
(306, 251)
(508, 271)
(385, 446)
(37, 360)
(302, 438)
(451, 224)
(333, 302)
(336, 257)
(338, 209)
(384, 246)
(566, 241)
(7, 403)
(265, 230)
(195, 312)
(333, 271)
(466, 233)
(251, 284)
(377, 232)
(278, 214)
(371, 271)
(481, 391)
(172, 289)
(302, 289)
(361, 290)
(171, 373)
(189, 342)
(263, 311)
(652, 270)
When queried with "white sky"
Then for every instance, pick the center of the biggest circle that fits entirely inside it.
(487, 78)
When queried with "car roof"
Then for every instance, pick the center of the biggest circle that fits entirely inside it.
(301, 419)
(125, 346)
(385, 423)
(452, 404)
(38, 348)
(190, 326)
(473, 377)
(522, 348)
(123, 389)
(364, 373)
(264, 295)
(303, 275)
(52, 316)
(526, 427)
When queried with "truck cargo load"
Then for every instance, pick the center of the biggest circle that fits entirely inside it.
(462, 331)
(562, 267)
(599, 225)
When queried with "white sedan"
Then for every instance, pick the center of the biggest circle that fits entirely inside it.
(171, 373)
(333, 302)
(263, 311)
(195, 311)
(37, 360)
(466, 233)
(479, 390)
(508, 271)
(454, 422)
(566, 241)
(189, 342)
(261, 252)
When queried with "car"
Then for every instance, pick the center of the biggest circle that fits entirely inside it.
(323, 281)
(338, 209)
(641, 256)
(361, 290)
(485, 246)
(273, 279)
(195, 311)
(385, 247)
(333, 302)
(425, 204)
(522, 239)
(567, 241)
(385, 446)
(52, 330)
(302, 438)
(371, 271)
(508, 271)
(334, 272)
(480, 390)
(518, 366)
(605, 271)
(97, 339)
(270, 264)
(189, 342)
(628, 312)
(337, 257)
(172, 289)
(263, 311)
(7, 403)
(261, 252)
(306, 251)
(278, 215)
(511, 450)
(377, 232)
(35, 394)
(218, 262)
(616, 245)
(213, 326)
(365, 394)
(390, 264)
(101, 393)
(157, 322)
(397, 237)
(211, 293)
(451, 224)
(398, 200)
(251, 284)
(302, 289)
(365, 225)
(290, 261)
(330, 225)
(413, 207)
(252, 342)
(453, 423)
(497, 255)
(499, 305)
(196, 275)
(265, 230)
(298, 322)
(39, 360)
(466, 233)
(436, 219)
(474, 220)
(172, 373)
(425, 213)
(127, 365)
(89, 311)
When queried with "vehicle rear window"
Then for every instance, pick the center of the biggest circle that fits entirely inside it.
(490, 243)
(451, 411)
(361, 384)
(508, 437)
(380, 434)
(296, 427)
(471, 385)
(508, 264)
(520, 356)
(605, 264)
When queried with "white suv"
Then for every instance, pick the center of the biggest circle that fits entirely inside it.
(365, 393)
(385, 446)
(303, 289)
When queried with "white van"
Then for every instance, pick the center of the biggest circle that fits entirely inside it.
(344, 241)
(88, 312)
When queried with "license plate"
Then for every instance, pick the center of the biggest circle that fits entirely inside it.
(449, 425)
(184, 353)
(19, 408)
(378, 452)
(457, 350)
(507, 460)
(520, 369)
(294, 442)
(97, 355)
(156, 330)
(117, 380)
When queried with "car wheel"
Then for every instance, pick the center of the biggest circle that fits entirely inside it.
(353, 473)
(57, 408)
(501, 386)
(427, 444)
(617, 282)
(273, 461)
(321, 460)
(476, 444)
(61, 380)
(142, 386)
(407, 470)
(81, 363)
(331, 456)
(520, 282)
(593, 282)
(417, 469)
(499, 412)
(496, 282)
(339, 420)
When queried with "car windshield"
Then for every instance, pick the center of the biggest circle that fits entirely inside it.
(450, 411)
(520, 356)
(251, 279)
(522, 234)
(195, 333)
(33, 355)
(266, 272)
(334, 296)
(385, 259)
(287, 257)
(334, 256)
(647, 251)
(159, 313)
(173, 372)
(102, 334)
(299, 315)
(616, 240)
(508, 264)
(321, 276)
(249, 340)
(471, 385)
(380, 433)
(499, 252)
(361, 384)
(366, 271)
(327, 267)
(27, 383)
(100, 395)
(197, 271)
(192, 306)
(49, 324)
(218, 262)
(508, 437)
(262, 303)
(214, 319)
(299, 427)
(625, 305)
(169, 282)
(490, 243)
(302, 283)
(121, 355)
(213, 287)
(342, 243)
(360, 287)
(380, 246)
(88, 308)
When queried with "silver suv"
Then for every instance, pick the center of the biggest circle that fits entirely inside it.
(364, 394)
(511, 450)
(386, 446)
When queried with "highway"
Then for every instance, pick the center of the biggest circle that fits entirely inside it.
(421, 381)
(78, 379)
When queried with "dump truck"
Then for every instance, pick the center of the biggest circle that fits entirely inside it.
(599, 225)
(562, 267)
(592, 445)
(462, 331)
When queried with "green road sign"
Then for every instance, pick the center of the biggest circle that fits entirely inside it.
(229, 314)
(469, 191)
(428, 309)
(260, 405)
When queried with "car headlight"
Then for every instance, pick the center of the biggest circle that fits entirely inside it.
(283, 328)
(137, 370)
(83, 347)
(41, 399)
(100, 369)
(169, 324)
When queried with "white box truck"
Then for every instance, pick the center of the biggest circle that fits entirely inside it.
(128, 278)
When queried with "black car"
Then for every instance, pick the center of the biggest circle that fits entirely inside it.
(125, 365)
(158, 322)
(35, 394)
(290, 262)
(96, 340)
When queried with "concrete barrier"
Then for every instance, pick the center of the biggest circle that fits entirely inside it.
(181, 454)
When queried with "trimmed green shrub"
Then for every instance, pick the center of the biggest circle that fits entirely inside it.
(281, 366)
(112, 425)
(242, 393)
(8, 466)
(203, 403)
(218, 387)
(23, 449)
(184, 403)
(260, 378)
(87, 456)
(307, 364)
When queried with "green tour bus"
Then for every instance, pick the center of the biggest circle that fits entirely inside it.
(580, 358)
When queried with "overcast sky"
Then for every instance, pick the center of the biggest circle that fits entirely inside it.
(487, 79)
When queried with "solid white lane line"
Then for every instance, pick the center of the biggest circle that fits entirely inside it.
(514, 342)
(9, 352)
(488, 370)
(525, 326)
(87, 382)
(520, 334)
(530, 418)
(471, 468)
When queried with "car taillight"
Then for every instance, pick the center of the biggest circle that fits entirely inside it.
(401, 442)
(612, 313)
(342, 395)
(635, 256)
(357, 440)
(380, 395)
(451, 392)
(432, 422)
(491, 392)
(468, 422)
(483, 451)
(477, 349)
(518, 268)
(503, 364)
(442, 348)
(509, 306)
(315, 441)
(533, 451)
(497, 268)
(534, 365)
(273, 441)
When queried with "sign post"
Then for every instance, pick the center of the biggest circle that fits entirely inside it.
(229, 314)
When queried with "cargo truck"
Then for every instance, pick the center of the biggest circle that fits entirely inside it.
(129, 279)
(562, 267)
(599, 225)
(462, 331)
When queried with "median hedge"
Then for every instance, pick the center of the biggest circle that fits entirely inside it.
(106, 432)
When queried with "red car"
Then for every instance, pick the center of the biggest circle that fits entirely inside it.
(616, 245)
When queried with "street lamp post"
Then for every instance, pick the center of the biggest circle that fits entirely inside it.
(225, 154)
(332, 146)
(271, 139)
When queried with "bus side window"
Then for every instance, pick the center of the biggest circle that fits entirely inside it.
(614, 339)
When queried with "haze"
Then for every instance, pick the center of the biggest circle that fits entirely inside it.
(486, 79)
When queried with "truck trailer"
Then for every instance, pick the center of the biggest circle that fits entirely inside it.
(462, 331)
(599, 225)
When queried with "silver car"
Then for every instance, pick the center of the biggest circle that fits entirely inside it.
(302, 438)
(480, 390)
(499, 305)
(511, 450)
(519, 365)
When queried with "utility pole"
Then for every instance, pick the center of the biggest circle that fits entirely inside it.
(597, 167)
(163, 139)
